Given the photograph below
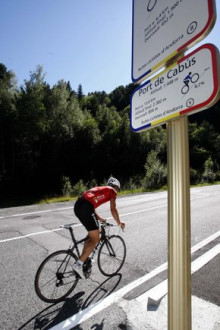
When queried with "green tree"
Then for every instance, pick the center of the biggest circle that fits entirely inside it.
(120, 96)
(32, 126)
(91, 104)
(8, 117)
(60, 112)
(80, 93)
(208, 174)
(78, 188)
(155, 171)
(65, 121)
(203, 143)
(66, 186)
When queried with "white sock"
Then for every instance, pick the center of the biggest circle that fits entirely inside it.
(79, 263)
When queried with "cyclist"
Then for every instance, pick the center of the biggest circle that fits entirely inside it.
(85, 210)
(187, 79)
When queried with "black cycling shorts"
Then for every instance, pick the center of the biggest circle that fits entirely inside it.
(85, 212)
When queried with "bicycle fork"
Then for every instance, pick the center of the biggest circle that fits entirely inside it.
(110, 249)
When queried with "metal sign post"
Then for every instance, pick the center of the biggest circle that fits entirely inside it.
(162, 31)
(179, 256)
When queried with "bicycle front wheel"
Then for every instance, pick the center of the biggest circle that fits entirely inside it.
(111, 255)
(195, 77)
(185, 89)
(55, 278)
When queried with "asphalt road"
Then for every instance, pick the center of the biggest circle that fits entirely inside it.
(29, 234)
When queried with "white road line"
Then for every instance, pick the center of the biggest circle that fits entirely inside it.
(36, 212)
(67, 208)
(48, 231)
(114, 297)
(205, 258)
(70, 207)
(144, 210)
(205, 242)
(100, 305)
(33, 234)
(154, 295)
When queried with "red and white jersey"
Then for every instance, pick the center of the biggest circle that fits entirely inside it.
(100, 195)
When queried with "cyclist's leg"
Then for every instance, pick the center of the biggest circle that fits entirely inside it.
(186, 82)
(89, 244)
(84, 210)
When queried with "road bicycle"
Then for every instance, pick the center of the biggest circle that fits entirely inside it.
(55, 278)
(194, 79)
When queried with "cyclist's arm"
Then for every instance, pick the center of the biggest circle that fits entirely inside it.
(115, 214)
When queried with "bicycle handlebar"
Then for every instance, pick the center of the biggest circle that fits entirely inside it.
(105, 224)
(67, 226)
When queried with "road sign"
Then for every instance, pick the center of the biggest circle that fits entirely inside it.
(188, 86)
(162, 29)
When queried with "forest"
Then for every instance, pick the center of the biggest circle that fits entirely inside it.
(57, 141)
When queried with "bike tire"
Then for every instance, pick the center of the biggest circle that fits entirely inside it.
(55, 278)
(185, 89)
(195, 78)
(111, 255)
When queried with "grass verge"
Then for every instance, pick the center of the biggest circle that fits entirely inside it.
(12, 202)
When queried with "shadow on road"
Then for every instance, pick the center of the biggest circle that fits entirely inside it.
(59, 312)
(103, 290)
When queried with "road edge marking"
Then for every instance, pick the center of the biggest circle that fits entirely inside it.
(88, 312)
(154, 295)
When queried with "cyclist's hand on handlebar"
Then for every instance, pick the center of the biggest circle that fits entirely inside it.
(122, 224)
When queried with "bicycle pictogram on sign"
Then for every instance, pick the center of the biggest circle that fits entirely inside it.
(189, 78)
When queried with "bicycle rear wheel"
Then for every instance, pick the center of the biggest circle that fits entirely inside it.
(55, 278)
(111, 255)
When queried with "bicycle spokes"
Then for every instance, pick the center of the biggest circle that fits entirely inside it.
(111, 255)
(55, 278)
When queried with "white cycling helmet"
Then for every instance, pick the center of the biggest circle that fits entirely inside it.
(113, 182)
